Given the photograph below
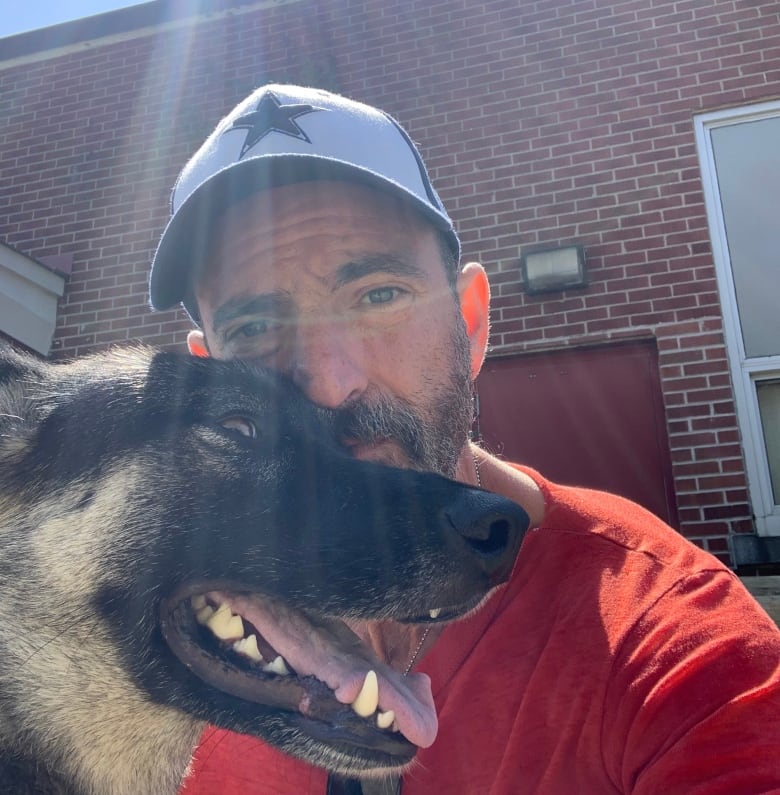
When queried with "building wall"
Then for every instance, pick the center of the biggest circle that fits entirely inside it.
(547, 121)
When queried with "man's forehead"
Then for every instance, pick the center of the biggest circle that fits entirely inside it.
(289, 222)
(272, 243)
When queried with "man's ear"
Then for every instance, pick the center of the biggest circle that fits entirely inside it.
(196, 342)
(474, 293)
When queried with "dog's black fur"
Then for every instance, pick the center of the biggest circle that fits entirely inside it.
(127, 483)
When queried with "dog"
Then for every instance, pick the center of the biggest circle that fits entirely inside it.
(180, 538)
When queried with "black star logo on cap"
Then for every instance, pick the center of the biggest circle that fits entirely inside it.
(271, 116)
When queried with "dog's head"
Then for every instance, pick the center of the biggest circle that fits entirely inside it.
(231, 553)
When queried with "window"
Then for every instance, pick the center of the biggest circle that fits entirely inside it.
(768, 393)
(739, 152)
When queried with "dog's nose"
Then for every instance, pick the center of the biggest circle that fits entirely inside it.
(493, 529)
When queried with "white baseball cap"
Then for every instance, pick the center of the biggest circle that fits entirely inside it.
(283, 134)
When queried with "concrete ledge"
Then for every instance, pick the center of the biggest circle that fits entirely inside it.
(766, 590)
(749, 549)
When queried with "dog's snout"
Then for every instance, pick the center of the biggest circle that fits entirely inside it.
(492, 528)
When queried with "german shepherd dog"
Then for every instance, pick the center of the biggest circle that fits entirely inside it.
(184, 541)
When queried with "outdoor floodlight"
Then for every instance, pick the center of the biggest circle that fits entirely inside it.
(548, 269)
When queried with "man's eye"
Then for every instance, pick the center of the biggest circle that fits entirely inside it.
(256, 328)
(381, 295)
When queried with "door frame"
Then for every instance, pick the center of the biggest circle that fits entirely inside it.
(745, 372)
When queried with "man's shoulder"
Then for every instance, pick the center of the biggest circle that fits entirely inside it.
(623, 567)
(611, 526)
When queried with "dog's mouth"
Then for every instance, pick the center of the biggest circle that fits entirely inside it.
(261, 650)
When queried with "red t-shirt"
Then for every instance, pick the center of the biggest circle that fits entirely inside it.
(619, 659)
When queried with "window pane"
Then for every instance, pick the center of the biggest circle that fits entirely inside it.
(769, 405)
(747, 159)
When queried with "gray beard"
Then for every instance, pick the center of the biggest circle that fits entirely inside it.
(431, 441)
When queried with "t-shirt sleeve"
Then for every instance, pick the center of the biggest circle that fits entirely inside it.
(693, 704)
(225, 763)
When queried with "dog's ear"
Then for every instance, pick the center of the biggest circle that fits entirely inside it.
(20, 375)
(14, 365)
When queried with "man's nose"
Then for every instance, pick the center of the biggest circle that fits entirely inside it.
(327, 365)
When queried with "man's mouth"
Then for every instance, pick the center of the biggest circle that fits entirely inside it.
(381, 451)
(258, 649)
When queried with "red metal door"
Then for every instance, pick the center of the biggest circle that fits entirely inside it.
(590, 417)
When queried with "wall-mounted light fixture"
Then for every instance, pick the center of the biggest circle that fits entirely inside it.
(547, 269)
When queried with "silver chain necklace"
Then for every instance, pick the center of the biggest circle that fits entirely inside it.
(424, 637)
(417, 650)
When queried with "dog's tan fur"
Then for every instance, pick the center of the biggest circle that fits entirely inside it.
(103, 728)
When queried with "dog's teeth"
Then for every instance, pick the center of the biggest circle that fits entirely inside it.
(248, 647)
(278, 667)
(203, 615)
(225, 625)
(198, 601)
(368, 698)
(384, 720)
(435, 613)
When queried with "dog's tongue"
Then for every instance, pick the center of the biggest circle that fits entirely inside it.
(328, 650)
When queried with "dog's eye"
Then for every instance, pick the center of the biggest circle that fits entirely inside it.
(241, 425)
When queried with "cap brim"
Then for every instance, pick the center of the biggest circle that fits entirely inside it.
(185, 240)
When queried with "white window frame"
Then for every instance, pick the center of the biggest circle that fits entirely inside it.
(745, 372)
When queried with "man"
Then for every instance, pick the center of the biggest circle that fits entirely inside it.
(619, 658)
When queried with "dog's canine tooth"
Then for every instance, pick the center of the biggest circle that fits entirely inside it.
(277, 666)
(248, 648)
(368, 698)
(435, 613)
(225, 625)
(384, 720)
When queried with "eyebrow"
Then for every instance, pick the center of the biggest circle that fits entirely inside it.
(390, 264)
(243, 306)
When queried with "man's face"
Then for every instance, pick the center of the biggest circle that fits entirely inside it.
(343, 289)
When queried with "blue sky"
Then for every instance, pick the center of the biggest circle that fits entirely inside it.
(21, 15)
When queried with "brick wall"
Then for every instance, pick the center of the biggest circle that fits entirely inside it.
(544, 121)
